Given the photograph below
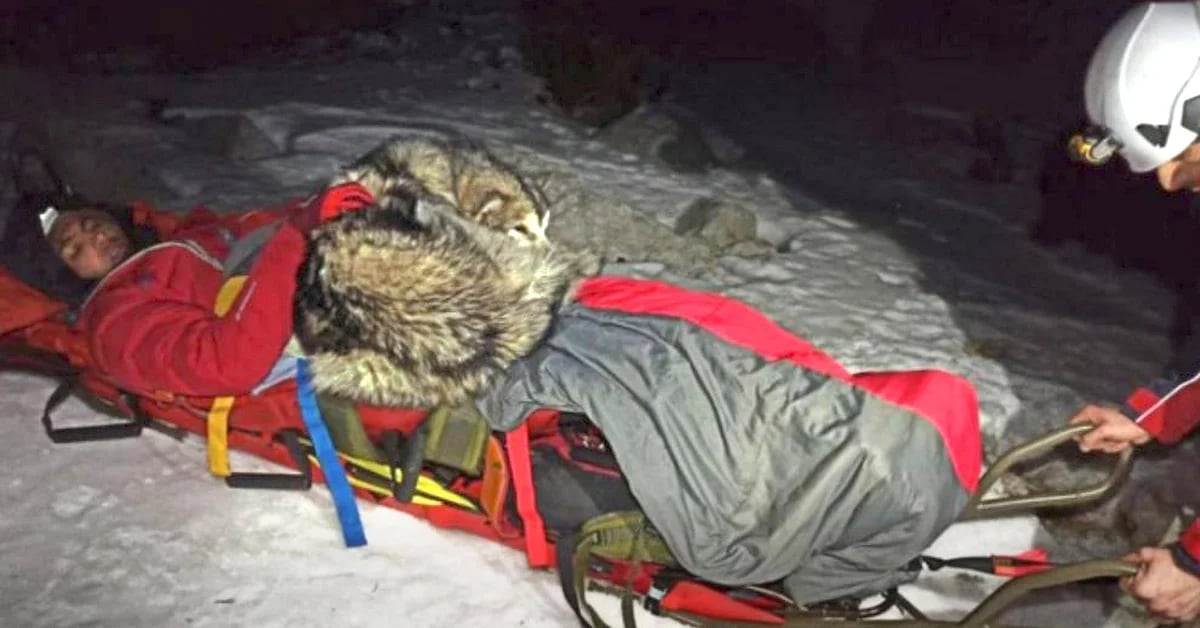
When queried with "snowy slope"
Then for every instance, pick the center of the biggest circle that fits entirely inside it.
(896, 267)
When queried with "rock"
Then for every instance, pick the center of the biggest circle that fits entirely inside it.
(111, 160)
(127, 155)
(510, 57)
(234, 136)
(655, 132)
(1155, 498)
(619, 233)
(720, 223)
(723, 148)
(482, 82)
(588, 77)
(751, 248)
(1146, 515)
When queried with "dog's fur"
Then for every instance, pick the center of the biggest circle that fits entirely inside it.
(396, 312)
(459, 172)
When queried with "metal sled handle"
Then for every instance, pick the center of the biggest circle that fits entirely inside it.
(979, 508)
(1010, 591)
(982, 617)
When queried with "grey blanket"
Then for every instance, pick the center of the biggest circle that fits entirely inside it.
(752, 470)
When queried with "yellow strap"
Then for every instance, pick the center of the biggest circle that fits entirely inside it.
(425, 484)
(367, 486)
(218, 440)
(218, 414)
(434, 494)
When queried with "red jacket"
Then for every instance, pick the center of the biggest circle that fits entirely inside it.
(1169, 408)
(150, 322)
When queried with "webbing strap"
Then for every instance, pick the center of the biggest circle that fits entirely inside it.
(621, 535)
(218, 413)
(536, 548)
(575, 557)
(374, 477)
(218, 436)
(335, 474)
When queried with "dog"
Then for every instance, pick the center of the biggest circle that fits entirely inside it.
(398, 312)
(457, 172)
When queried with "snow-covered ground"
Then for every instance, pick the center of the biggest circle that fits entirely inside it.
(887, 257)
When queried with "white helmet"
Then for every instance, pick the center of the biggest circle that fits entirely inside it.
(1143, 83)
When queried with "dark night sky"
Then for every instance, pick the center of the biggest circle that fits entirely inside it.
(989, 33)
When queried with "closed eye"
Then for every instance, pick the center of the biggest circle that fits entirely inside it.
(526, 233)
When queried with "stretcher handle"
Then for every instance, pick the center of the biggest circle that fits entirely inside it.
(979, 508)
(301, 481)
(983, 616)
(109, 431)
(91, 433)
(1010, 591)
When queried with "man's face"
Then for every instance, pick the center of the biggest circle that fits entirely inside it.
(89, 242)
(1183, 172)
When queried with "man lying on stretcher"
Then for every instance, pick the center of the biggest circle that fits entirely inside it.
(141, 283)
(757, 457)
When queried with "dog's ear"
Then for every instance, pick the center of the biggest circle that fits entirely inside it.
(491, 202)
(33, 176)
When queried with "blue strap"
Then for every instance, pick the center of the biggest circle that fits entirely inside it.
(331, 467)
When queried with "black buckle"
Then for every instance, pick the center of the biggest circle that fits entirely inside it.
(408, 458)
(654, 596)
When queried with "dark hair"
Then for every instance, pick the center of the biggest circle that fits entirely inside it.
(27, 254)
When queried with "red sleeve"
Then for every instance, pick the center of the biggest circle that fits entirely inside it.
(1167, 409)
(148, 335)
(1190, 540)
